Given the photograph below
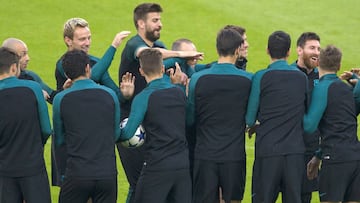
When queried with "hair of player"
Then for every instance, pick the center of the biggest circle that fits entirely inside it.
(141, 11)
(74, 63)
(227, 41)
(330, 58)
(279, 43)
(151, 61)
(177, 44)
(306, 36)
(71, 24)
(8, 57)
(239, 29)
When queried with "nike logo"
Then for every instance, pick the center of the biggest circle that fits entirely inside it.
(322, 194)
(327, 157)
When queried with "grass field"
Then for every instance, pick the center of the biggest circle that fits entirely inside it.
(39, 23)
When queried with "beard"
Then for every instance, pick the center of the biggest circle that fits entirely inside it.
(309, 62)
(152, 36)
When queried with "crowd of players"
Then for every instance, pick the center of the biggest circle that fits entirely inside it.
(195, 117)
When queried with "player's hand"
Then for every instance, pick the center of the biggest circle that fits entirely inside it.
(127, 85)
(355, 71)
(313, 168)
(68, 83)
(191, 54)
(346, 75)
(46, 95)
(177, 76)
(187, 87)
(119, 38)
(252, 130)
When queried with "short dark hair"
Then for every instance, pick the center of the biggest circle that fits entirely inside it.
(306, 36)
(330, 58)
(151, 61)
(177, 44)
(74, 63)
(7, 58)
(141, 11)
(227, 41)
(239, 29)
(279, 43)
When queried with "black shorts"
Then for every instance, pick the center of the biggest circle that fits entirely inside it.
(132, 161)
(29, 189)
(164, 186)
(340, 182)
(209, 176)
(78, 190)
(278, 173)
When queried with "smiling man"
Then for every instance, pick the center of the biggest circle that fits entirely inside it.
(308, 50)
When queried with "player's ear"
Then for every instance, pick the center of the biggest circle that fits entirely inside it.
(338, 68)
(15, 69)
(299, 50)
(141, 23)
(88, 71)
(68, 41)
(288, 53)
(141, 72)
(163, 69)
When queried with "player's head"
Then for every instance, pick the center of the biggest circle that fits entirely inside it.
(308, 50)
(76, 64)
(147, 20)
(151, 63)
(229, 43)
(330, 58)
(279, 45)
(185, 45)
(9, 62)
(21, 50)
(77, 34)
(242, 32)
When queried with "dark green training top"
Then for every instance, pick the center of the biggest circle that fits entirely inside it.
(100, 76)
(332, 111)
(24, 127)
(160, 108)
(278, 99)
(217, 103)
(311, 140)
(130, 63)
(86, 118)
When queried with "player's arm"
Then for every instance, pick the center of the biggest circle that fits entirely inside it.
(43, 85)
(102, 66)
(254, 101)
(356, 93)
(171, 54)
(190, 106)
(316, 109)
(137, 114)
(59, 75)
(43, 114)
(49, 93)
(57, 122)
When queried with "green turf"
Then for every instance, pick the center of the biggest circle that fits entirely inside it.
(39, 24)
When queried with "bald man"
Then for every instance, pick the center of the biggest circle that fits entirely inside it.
(20, 48)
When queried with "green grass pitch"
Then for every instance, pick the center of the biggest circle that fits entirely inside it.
(39, 23)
